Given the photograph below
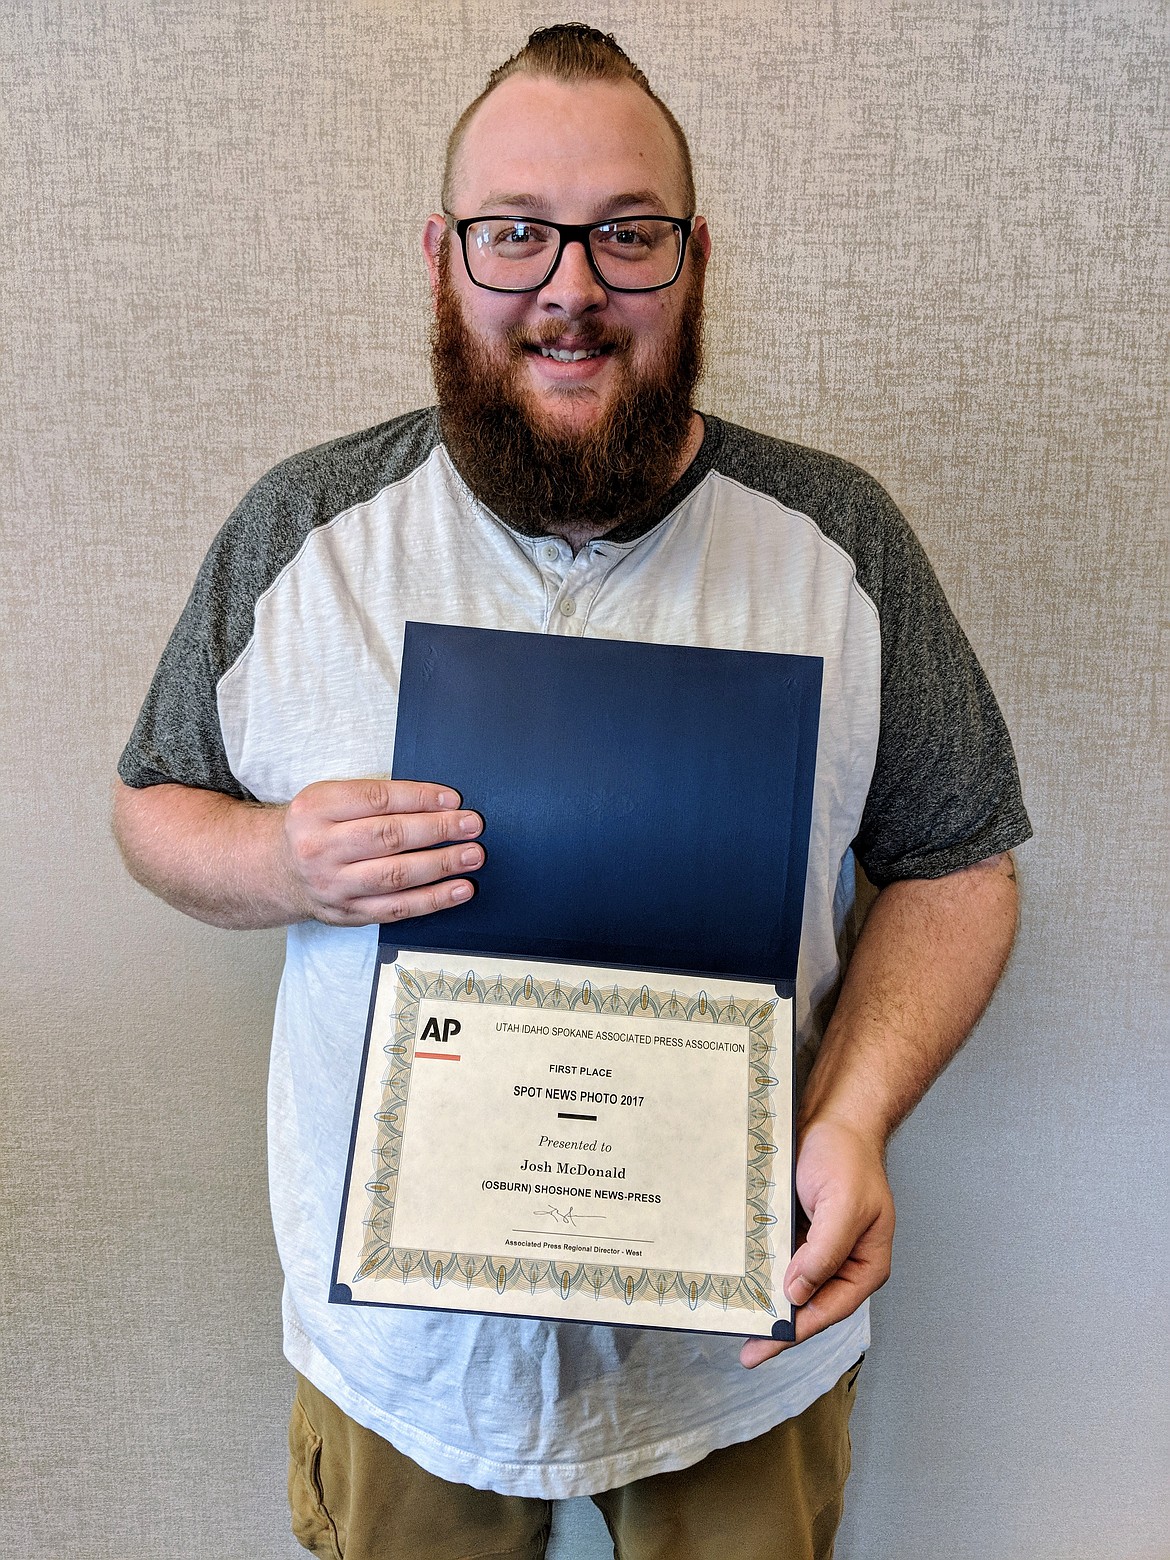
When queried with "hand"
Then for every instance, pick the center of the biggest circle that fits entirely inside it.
(357, 851)
(845, 1257)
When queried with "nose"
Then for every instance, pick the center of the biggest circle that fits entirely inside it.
(573, 288)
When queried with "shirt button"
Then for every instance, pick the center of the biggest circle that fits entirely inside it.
(568, 607)
(552, 552)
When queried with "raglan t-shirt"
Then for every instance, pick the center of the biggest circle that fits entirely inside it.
(283, 670)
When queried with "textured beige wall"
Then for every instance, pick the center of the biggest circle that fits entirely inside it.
(938, 253)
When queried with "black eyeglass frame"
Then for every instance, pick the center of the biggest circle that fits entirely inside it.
(573, 233)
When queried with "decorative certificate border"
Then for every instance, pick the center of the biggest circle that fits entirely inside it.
(381, 1259)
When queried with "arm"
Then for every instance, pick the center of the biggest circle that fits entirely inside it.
(347, 852)
(929, 957)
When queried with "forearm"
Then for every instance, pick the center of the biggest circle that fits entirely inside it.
(928, 959)
(212, 856)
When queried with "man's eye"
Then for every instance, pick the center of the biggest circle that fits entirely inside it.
(631, 238)
(517, 235)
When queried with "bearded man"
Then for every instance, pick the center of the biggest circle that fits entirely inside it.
(566, 485)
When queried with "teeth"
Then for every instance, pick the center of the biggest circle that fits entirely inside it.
(568, 357)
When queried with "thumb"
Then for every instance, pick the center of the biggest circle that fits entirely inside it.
(832, 1235)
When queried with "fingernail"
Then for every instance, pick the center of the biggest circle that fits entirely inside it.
(470, 823)
(447, 799)
(471, 857)
(461, 891)
(800, 1290)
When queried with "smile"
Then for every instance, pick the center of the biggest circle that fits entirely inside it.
(564, 356)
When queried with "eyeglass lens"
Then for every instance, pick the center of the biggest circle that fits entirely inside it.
(517, 255)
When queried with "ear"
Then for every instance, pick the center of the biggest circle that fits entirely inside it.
(701, 238)
(432, 238)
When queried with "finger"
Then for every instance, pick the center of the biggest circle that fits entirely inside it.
(386, 876)
(756, 1350)
(391, 834)
(844, 1230)
(830, 1240)
(832, 1303)
(341, 800)
(401, 907)
(862, 1274)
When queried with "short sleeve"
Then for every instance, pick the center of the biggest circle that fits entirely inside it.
(177, 738)
(945, 792)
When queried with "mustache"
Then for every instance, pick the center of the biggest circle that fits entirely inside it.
(584, 335)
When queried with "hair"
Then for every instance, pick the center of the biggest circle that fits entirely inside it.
(571, 52)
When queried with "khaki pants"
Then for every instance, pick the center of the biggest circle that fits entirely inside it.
(779, 1497)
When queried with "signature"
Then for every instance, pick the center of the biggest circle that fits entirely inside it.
(568, 1217)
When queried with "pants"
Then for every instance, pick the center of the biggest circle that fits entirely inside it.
(778, 1497)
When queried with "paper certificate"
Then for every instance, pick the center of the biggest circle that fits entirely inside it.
(592, 1145)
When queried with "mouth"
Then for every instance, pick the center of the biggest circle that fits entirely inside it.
(571, 346)
(566, 355)
(568, 362)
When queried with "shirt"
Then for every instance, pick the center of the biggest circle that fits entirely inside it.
(283, 670)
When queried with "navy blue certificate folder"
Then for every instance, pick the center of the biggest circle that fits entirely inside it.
(644, 805)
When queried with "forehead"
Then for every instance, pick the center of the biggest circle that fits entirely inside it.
(569, 145)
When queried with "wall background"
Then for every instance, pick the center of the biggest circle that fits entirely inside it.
(938, 254)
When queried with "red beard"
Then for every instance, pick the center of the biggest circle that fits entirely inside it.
(604, 477)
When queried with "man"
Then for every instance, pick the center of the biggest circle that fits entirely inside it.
(567, 485)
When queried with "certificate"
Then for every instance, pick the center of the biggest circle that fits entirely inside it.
(575, 1094)
(583, 1145)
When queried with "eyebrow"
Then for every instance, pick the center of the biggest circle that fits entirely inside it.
(629, 202)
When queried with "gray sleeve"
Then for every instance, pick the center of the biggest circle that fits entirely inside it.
(945, 792)
(177, 736)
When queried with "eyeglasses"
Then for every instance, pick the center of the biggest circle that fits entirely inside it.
(627, 254)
